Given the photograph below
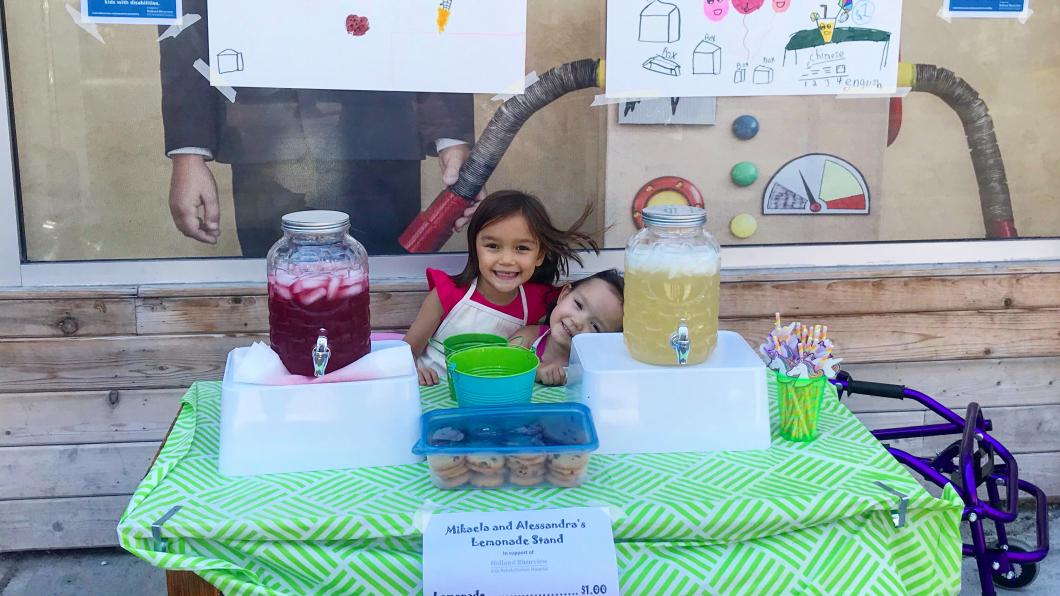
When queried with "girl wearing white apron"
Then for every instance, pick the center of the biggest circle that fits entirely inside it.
(469, 316)
(515, 255)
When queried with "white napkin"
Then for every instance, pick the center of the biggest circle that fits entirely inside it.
(259, 365)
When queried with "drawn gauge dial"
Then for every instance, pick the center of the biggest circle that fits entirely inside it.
(816, 184)
(665, 190)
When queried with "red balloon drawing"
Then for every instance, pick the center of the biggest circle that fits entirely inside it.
(747, 6)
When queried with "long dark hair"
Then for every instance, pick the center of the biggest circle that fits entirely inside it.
(559, 246)
(611, 277)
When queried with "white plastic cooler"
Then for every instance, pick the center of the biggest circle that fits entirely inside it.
(721, 404)
(267, 429)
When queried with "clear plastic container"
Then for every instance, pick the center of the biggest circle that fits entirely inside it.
(318, 294)
(508, 446)
(673, 280)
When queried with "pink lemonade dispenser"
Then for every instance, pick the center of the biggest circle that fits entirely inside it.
(318, 294)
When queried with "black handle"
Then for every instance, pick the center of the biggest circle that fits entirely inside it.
(870, 388)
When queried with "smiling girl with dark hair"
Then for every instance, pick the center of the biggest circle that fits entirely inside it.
(515, 254)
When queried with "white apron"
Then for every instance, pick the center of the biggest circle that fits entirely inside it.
(469, 316)
(537, 342)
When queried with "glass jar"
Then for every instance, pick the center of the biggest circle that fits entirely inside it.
(673, 278)
(318, 294)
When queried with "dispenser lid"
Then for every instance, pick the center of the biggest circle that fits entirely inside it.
(674, 216)
(316, 222)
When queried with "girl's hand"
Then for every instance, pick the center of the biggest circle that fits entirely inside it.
(552, 374)
(428, 376)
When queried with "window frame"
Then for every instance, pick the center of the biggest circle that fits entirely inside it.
(15, 272)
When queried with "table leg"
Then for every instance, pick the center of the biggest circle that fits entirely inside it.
(186, 583)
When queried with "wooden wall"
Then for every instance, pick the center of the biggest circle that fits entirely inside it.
(90, 378)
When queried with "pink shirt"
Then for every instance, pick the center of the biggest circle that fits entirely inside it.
(540, 351)
(538, 297)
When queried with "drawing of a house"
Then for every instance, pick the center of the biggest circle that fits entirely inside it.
(660, 22)
(763, 75)
(229, 61)
(706, 59)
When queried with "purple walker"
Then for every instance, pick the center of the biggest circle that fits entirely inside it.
(976, 459)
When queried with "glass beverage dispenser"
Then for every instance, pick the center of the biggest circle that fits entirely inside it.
(318, 294)
(673, 276)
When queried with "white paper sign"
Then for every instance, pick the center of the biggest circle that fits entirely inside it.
(685, 48)
(507, 553)
(459, 46)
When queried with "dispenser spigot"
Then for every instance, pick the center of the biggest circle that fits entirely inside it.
(321, 354)
(681, 343)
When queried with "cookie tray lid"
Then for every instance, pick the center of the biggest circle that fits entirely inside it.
(537, 428)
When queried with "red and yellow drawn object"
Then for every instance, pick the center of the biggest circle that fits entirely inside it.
(665, 190)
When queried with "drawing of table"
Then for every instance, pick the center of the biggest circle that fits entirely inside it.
(812, 38)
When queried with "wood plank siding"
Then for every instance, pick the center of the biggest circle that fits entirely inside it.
(90, 378)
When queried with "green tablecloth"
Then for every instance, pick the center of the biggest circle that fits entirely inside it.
(796, 518)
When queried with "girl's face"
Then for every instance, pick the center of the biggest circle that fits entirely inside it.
(507, 254)
(592, 307)
(715, 9)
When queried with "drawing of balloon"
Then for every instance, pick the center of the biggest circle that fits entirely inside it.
(747, 6)
(716, 9)
(781, 5)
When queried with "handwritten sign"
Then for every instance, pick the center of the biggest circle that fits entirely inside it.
(704, 48)
(507, 553)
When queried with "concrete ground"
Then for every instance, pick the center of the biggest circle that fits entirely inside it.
(114, 572)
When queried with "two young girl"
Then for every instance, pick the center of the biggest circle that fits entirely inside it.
(515, 256)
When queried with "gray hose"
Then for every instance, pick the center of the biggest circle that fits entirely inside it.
(510, 117)
(982, 143)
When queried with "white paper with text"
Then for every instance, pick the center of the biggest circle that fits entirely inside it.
(505, 553)
(690, 48)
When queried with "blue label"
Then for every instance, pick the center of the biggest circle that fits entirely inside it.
(987, 5)
(132, 9)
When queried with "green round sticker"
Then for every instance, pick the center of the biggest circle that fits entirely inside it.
(744, 173)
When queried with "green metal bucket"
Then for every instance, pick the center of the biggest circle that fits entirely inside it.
(463, 341)
(493, 376)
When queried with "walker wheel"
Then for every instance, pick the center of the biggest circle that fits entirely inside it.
(1025, 573)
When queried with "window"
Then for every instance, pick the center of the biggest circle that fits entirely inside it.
(93, 177)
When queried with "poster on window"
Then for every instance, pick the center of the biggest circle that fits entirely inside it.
(688, 48)
(986, 9)
(132, 12)
(455, 46)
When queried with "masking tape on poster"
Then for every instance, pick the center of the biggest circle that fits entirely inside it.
(176, 29)
(91, 28)
(204, 70)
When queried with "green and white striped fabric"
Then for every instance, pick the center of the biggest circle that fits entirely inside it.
(799, 518)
